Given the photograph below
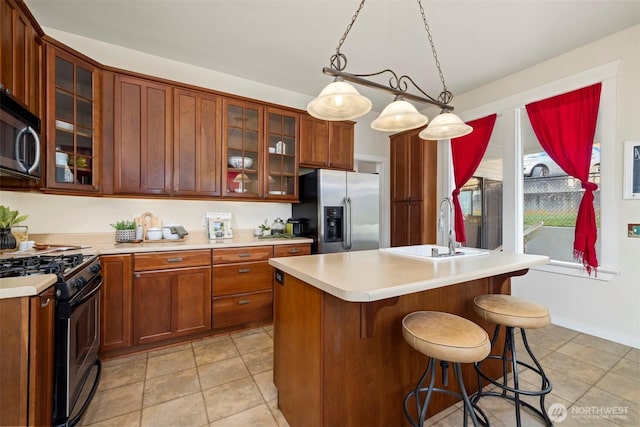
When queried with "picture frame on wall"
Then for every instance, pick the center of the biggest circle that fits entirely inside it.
(631, 184)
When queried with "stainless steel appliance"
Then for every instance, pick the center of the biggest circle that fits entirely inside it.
(77, 327)
(19, 140)
(342, 209)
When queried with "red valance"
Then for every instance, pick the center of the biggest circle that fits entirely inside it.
(565, 126)
(467, 153)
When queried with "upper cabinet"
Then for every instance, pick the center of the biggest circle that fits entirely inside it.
(326, 144)
(142, 156)
(260, 151)
(282, 150)
(21, 51)
(72, 122)
(196, 143)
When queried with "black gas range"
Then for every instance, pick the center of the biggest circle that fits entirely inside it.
(77, 326)
(74, 270)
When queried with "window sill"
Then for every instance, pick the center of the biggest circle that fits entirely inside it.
(605, 274)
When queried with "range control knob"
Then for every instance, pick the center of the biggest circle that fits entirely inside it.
(95, 268)
(80, 282)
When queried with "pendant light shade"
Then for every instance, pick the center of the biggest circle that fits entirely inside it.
(339, 101)
(445, 126)
(399, 116)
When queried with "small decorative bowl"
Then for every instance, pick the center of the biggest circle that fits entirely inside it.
(154, 234)
(237, 162)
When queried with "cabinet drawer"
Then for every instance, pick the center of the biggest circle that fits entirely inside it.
(291, 250)
(229, 255)
(175, 259)
(242, 309)
(241, 278)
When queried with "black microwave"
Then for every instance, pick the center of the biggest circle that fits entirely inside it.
(19, 140)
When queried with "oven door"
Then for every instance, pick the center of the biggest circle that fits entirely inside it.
(77, 364)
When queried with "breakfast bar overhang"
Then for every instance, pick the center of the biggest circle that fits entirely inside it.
(339, 355)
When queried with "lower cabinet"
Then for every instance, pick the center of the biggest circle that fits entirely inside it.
(115, 302)
(171, 292)
(26, 359)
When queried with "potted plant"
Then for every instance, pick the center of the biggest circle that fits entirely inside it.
(8, 218)
(125, 230)
(266, 230)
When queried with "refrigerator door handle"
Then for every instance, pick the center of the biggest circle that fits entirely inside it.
(348, 221)
(345, 227)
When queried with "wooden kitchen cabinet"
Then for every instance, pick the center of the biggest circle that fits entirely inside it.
(26, 360)
(196, 143)
(142, 159)
(21, 51)
(413, 189)
(281, 181)
(171, 295)
(73, 121)
(325, 144)
(242, 287)
(115, 302)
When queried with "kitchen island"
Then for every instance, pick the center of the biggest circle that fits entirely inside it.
(339, 355)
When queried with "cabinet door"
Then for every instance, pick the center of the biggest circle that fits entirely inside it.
(152, 302)
(191, 301)
(400, 153)
(142, 136)
(341, 145)
(196, 143)
(241, 277)
(314, 142)
(115, 302)
(41, 358)
(168, 304)
(407, 223)
(282, 155)
(242, 135)
(20, 55)
(73, 115)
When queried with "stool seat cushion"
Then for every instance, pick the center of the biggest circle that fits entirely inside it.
(445, 336)
(511, 311)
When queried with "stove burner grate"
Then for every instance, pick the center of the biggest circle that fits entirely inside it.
(39, 264)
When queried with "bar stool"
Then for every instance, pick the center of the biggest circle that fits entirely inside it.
(512, 313)
(449, 339)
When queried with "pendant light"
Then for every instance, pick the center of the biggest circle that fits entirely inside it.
(445, 126)
(341, 101)
(399, 116)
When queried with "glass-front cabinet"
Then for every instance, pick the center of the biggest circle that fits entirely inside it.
(282, 148)
(72, 117)
(260, 151)
(243, 136)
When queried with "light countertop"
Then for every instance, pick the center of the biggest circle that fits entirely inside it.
(104, 244)
(375, 275)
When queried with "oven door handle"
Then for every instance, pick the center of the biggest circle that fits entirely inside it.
(88, 296)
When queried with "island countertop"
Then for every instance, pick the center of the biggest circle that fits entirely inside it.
(374, 275)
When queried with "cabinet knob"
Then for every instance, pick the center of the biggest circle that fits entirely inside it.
(45, 303)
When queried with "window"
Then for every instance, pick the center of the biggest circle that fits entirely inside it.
(519, 187)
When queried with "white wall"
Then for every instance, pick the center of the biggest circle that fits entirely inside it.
(608, 309)
(55, 214)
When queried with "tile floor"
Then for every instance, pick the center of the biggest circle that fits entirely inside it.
(228, 381)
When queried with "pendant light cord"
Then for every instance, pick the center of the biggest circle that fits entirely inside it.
(338, 58)
(445, 96)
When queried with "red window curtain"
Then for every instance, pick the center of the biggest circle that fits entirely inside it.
(565, 126)
(467, 152)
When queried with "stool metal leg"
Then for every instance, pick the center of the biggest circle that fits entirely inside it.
(421, 407)
(509, 359)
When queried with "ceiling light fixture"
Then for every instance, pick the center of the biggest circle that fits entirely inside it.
(341, 101)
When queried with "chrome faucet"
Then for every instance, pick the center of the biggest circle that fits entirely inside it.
(452, 234)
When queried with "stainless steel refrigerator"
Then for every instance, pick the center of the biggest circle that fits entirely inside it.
(342, 210)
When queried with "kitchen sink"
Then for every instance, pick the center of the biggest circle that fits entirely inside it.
(434, 252)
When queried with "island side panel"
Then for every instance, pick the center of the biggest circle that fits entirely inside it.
(354, 381)
(297, 351)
